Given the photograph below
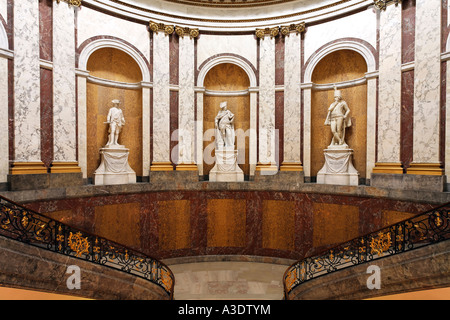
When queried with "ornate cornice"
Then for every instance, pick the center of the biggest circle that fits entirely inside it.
(169, 29)
(382, 4)
(283, 30)
(76, 3)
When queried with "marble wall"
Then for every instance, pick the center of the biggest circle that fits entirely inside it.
(175, 224)
(399, 95)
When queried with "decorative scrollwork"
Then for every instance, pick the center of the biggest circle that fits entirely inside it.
(76, 3)
(22, 224)
(430, 227)
(78, 244)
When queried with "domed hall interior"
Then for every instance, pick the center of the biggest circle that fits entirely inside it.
(224, 150)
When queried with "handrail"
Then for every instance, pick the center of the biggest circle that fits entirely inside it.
(423, 229)
(20, 223)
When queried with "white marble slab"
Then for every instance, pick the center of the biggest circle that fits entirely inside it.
(27, 117)
(186, 125)
(427, 81)
(267, 134)
(4, 136)
(161, 98)
(390, 77)
(292, 104)
(64, 107)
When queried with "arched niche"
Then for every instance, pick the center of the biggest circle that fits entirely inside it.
(115, 69)
(341, 66)
(227, 82)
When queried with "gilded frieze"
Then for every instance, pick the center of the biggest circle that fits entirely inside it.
(283, 30)
(169, 29)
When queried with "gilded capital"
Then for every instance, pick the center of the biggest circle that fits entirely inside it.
(297, 28)
(169, 29)
(273, 32)
(382, 4)
(75, 3)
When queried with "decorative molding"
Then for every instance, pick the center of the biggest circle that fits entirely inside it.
(75, 3)
(262, 33)
(116, 44)
(297, 28)
(45, 64)
(226, 93)
(283, 30)
(382, 4)
(6, 53)
(169, 29)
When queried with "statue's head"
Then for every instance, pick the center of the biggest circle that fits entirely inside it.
(116, 102)
(223, 105)
(337, 94)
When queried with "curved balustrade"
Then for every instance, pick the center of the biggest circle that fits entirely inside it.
(22, 224)
(424, 229)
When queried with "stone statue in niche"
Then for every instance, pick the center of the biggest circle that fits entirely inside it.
(114, 167)
(338, 118)
(338, 167)
(116, 121)
(224, 124)
(226, 168)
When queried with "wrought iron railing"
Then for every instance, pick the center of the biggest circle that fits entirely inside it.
(424, 229)
(28, 226)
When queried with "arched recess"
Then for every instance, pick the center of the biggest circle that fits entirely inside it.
(227, 82)
(317, 96)
(112, 69)
(247, 100)
(337, 67)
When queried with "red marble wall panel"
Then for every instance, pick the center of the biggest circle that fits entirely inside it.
(408, 30)
(46, 116)
(46, 29)
(228, 222)
(407, 118)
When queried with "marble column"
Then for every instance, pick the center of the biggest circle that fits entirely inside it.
(161, 103)
(146, 92)
(307, 92)
(389, 88)
(267, 135)
(64, 90)
(27, 116)
(186, 112)
(427, 90)
(82, 76)
(199, 92)
(4, 138)
(292, 104)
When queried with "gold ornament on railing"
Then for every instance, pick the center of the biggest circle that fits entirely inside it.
(382, 4)
(78, 244)
(381, 243)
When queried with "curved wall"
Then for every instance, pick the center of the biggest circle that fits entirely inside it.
(279, 224)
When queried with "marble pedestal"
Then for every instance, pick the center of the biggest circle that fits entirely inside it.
(114, 167)
(226, 168)
(338, 168)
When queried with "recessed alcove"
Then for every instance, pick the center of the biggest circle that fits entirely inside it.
(338, 67)
(115, 65)
(227, 82)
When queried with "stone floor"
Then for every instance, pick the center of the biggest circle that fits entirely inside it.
(228, 280)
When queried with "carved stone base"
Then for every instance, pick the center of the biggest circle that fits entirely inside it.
(114, 167)
(338, 168)
(226, 168)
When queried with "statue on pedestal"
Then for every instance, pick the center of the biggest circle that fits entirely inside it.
(338, 118)
(116, 120)
(226, 167)
(114, 167)
(224, 124)
(338, 167)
